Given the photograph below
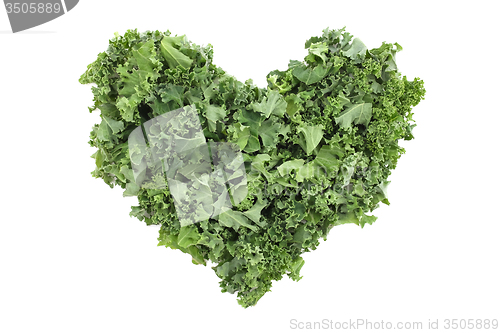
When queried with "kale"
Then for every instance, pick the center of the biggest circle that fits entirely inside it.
(311, 151)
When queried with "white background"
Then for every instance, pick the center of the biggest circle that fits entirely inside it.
(72, 260)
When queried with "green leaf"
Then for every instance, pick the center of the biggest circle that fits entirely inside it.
(197, 257)
(188, 236)
(250, 118)
(130, 81)
(349, 217)
(357, 50)
(270, 132)
(296, 266)
(242, 134)
(327, 160)
(99, 158)
(214, 114)
(109, 110)
(311, 136)
(318, 50)
(131, 190)
(286, 168)
(144, 56)
(254, 213)
(108, 128)
(230, 266)
(310, 75)
(274, 103)
(258, 164)
(359, 114)
(301, 235)
(367, 219)
(307, 171)
(235, 219)
(253, 143)
(381, 193)
(254, 121)
(173, 56)
(173, 93)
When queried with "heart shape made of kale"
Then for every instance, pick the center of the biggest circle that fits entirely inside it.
(244, 177)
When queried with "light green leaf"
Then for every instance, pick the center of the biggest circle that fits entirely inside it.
(144, 56)
(235, 219)
(357, 50)
(253, 143)
(295, 269)
(185, 144)
(319, 50)
(301, 235)
(348, 217)
(173, 56)
(131, 189)
(359, 114)
(188, 236)
(242, 134)
(258, 164)
(274, 103)
(254, 121)
(270, 131)
(214, 114)
(307, 171)
(311, 136)
(127, 107)
(197, 257)
(327, 160)
(99, 158)
(250, 118)
(286, 168)
(173, 93)
(367, 219)
(254, 212)
(310, 75)
(381, 193)
(230, 266)
(130, 81)
(108, 127)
